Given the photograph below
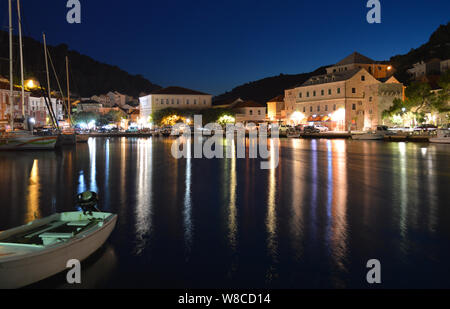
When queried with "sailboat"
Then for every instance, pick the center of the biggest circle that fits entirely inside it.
(20, 140)
(80, 138)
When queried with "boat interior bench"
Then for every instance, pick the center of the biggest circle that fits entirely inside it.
(50, 238)
(51, 232)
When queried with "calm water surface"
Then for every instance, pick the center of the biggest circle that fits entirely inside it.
(313, 222)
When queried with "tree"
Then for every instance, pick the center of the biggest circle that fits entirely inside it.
(419, 101)
(85, 117)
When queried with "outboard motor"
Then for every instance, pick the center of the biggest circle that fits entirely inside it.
(88, 202)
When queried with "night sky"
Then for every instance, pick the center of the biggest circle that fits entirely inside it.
(216, 45)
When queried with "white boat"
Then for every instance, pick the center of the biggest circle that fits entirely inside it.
(443, 137)
(380, 133)
(368, 136)
(82, 138)
(42, 248)
(26, 141)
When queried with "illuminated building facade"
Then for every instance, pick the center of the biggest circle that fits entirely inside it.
(348, 97)
(173, 97)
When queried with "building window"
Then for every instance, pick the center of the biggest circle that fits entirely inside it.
(173, 101)
(314, 93)
(204, 102)
(187, 101)
(304, 109)
(251, 112)
(322, 92)
(329, 91)
(167, 101)
(178, 101)
(195, 102)
(300, 95)
(326, 108)
(307, 94)
(311, 109)
(334, 107)
(318, 108)
(259, 112)
(354, 107)
(339, 90)
(353, 90)
(363, 78)
(370, 99)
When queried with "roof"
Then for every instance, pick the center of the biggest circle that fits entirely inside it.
(249, 103)
(279, 98)
(356, 58)
(331, 78)
(178, 91)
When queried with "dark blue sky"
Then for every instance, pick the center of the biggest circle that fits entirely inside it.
(216, 45)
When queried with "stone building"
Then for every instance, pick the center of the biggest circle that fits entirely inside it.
(347, 100)
(275, 109)
(173, 97)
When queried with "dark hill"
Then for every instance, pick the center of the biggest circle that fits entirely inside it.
(88, 76)
(267, 88)
(438, 46)
(263, 90)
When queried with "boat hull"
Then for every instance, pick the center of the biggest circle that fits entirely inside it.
(443, 140)
(28, 143)
(82, 138)
(24, 271)
(367, 137)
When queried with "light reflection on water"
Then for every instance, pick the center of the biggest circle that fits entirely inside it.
(312, 222)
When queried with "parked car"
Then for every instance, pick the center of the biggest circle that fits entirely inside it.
(322, 129)
(311, 129)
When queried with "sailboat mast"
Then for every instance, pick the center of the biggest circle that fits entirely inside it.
(21, 58)
(11, 79)
(68, 88)
(46, 68)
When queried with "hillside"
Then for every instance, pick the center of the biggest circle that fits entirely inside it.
(438, 46)
(263, 90)
(88, 76)
(267, 88)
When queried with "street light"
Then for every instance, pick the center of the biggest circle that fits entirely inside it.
(31, 84)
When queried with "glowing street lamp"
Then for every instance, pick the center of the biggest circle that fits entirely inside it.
(31, 84)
